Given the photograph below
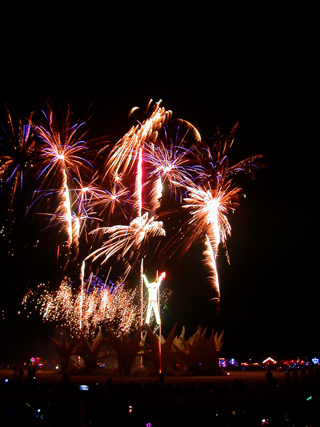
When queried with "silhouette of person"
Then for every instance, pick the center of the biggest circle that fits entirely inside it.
(21, 372)
(15, 372)
(269, 378)
(153, 297)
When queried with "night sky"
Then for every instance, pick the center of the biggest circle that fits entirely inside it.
(269, 304)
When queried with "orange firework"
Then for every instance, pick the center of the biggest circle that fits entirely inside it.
(84, 312)
(154, 152)
(61, 153)
(209, 222)
(210, 196)
(126, 239)
(125, 152)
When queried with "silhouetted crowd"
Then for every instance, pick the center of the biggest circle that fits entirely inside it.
(33, 402)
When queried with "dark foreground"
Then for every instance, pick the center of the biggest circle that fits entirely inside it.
(238, 399)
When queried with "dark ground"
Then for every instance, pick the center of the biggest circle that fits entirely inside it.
(234, 399)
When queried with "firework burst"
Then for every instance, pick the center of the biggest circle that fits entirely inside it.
(169, 164)
(62, 147)
(126, 240)
(210, 197)
(17, 152)
(215, 162)
(124, 154)
(125, 188)
(110, 201)
(84, 312)
(62, 162)
(209, 221)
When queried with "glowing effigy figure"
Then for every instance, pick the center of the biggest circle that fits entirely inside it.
(153, 297)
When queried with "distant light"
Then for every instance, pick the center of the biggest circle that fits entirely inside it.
(222, 362)
(269, 360)
(315, 360)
